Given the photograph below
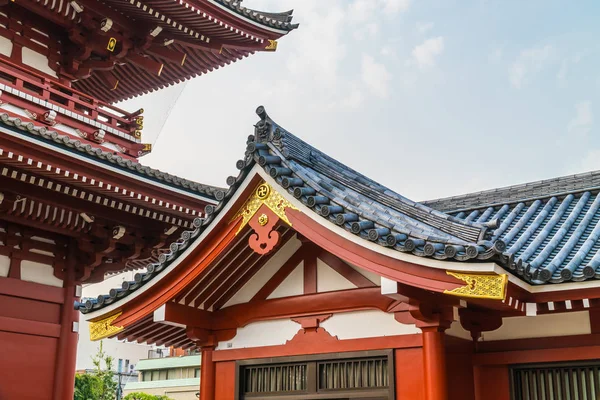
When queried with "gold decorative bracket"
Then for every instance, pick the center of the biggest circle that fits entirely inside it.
(264, 194)
(480, 286)
(272, 46)
(103, 328)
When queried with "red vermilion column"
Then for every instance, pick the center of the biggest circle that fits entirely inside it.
(434, 362)
(64, 373)
(207, 374)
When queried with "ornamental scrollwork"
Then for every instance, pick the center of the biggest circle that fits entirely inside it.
(103, 328)
(480, 286)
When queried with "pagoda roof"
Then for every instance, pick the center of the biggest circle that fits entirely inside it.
(43, 135)
(133, 47)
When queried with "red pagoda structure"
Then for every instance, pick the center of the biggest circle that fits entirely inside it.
(75, 202)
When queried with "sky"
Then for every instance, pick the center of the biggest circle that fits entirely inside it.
(430, 98)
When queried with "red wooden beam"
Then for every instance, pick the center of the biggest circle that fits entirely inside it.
(240, 315)
(30, 290)
(174, 283)
(58, 199)
(167, 54)
(27, 327)
(236, 283)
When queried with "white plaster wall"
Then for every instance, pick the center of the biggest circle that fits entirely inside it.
(293, 285)
(37, 61)
(39, 273)
(329, 280)
(86, 349)
(14, 109)
(4, 266)
(564, 324)
(262, 333)
(248, 291)
(5, 46)
(365, 324)
(373, 277)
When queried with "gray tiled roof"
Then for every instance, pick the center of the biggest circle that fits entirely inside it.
(560, 186)
(280, 20)
(547, 231)
(343, 196)
(76, 146)
(551, 227)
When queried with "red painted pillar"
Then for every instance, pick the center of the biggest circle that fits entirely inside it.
(66, 356)
(207, 374)
(434, 363)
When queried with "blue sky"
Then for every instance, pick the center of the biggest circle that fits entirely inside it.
(431, 98)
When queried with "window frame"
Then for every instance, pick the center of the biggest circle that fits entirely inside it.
(515, 368)
(313, 362)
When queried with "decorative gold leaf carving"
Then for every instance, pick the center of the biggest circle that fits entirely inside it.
(104, 328)
(272, 46)
(264, 194)
(480, 286)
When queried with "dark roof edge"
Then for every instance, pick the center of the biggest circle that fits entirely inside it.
(525, 192)
(42, 134)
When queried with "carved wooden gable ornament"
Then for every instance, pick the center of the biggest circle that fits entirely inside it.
(262, 211)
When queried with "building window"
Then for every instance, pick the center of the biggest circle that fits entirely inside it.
(155, 376)
(196, 372)
(571, 381)
(126, 370)
(120, 365)
(344, 375)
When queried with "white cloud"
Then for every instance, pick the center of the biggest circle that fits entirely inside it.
(353, 100)
(561, 76)
(529, 62)
(395, 6)
(426, 53)
(495, 56)
(361, 10)
(582, 123)
(590, 162)
(424, 27)
(375, 76)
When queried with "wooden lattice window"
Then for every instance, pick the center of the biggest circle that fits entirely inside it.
(556, 382)
(364, 375)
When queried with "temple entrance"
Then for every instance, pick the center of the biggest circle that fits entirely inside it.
(360, 375)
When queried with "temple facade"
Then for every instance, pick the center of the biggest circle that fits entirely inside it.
(309, 280)
(75, 201)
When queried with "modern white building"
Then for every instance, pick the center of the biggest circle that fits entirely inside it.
(125, 355)
(175, 377)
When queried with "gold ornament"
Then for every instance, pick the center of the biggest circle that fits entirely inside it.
(480, 286)
(263, 220)
(264, 194)
(103, 328)
(272, 46)
(112, 44)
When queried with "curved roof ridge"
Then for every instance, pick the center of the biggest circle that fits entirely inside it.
(524, 192)
(367, 190)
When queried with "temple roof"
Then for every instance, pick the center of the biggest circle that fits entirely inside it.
(44, 135)
(538, 232)
(129, 48)
(551, 227)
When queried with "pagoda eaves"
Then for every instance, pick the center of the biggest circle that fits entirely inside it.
(117, 49)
